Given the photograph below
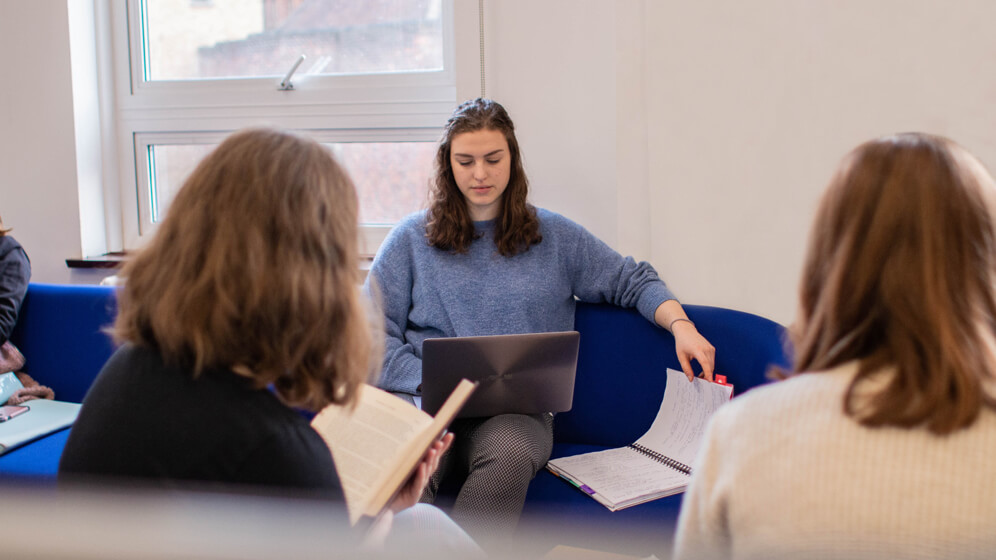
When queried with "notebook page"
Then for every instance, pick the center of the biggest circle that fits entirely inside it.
(681, 421)
(621, 474)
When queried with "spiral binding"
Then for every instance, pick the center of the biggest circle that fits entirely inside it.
(676, 465)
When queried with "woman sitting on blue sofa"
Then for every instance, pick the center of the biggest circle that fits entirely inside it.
(483, 261)
(245, 303)
(882, 444)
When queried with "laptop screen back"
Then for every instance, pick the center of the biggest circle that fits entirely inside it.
(517, 373)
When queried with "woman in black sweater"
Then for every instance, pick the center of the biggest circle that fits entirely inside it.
(243, 307)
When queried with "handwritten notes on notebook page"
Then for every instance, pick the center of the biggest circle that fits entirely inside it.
(656, 465)
(682, 418)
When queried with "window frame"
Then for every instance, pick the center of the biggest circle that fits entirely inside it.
(379, 107)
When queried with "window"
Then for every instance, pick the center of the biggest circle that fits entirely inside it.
(391, 175)
(244, 39)
(376, 84)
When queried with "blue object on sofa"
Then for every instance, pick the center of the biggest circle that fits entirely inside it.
(60, 332)
(618, 391)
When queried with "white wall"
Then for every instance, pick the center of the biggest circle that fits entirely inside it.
(714, 155)
(38, 164)
(754, 104)
(556, 77)
(697, 135)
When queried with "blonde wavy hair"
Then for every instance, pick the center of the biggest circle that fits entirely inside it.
(255, 270)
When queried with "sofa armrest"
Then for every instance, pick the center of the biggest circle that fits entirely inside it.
(621, 362)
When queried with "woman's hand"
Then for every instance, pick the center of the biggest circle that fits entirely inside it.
(374, 540)
(412, 490)
(690, 345)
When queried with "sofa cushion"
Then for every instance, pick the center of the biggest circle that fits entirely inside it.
(37, 461)
(621, 363)
(60, 332)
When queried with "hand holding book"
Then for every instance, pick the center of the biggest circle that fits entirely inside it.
(408, 496)
(384, 449)
(412, 490)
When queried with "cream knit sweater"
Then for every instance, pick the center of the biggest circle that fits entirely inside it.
(783, 473)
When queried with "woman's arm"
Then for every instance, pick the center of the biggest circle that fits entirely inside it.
(688, 343)
(602, 274)
(15, 273)
(389, 285)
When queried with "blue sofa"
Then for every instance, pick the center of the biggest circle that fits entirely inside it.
(60, 332)
(618, 390)
(620, 382)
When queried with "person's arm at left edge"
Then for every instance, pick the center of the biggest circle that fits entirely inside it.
(688, 343)
(15, 273)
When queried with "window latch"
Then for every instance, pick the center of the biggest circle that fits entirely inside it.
(285, 84)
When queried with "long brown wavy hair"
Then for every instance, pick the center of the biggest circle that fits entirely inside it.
(449, 226)
(255, 269)
(901, 272)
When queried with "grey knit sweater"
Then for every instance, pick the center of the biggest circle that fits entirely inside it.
(427, 292)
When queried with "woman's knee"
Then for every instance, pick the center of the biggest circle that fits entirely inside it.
(513, 440)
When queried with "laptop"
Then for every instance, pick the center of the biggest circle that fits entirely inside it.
(516, 373)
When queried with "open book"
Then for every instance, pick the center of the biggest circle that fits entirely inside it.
(377, 445)
(657, 464)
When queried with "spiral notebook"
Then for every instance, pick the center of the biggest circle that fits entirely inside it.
(659, 463)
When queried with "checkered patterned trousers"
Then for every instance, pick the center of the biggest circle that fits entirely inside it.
(496, 457)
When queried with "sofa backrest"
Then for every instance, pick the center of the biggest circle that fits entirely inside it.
(621, 361)
(620, 378)
(60, 332)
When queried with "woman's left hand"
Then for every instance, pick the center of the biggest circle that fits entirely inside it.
(690, 345)
(412, 490)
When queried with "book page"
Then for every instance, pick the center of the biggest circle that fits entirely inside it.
(621, 474)
(378, 445)
(368, 441)
(681, 421)
(413, 453)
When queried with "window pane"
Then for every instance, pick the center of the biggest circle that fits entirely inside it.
(170, 167)
(391, 178)
(199, 39)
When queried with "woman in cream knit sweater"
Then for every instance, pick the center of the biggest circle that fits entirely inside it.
(886, 446)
